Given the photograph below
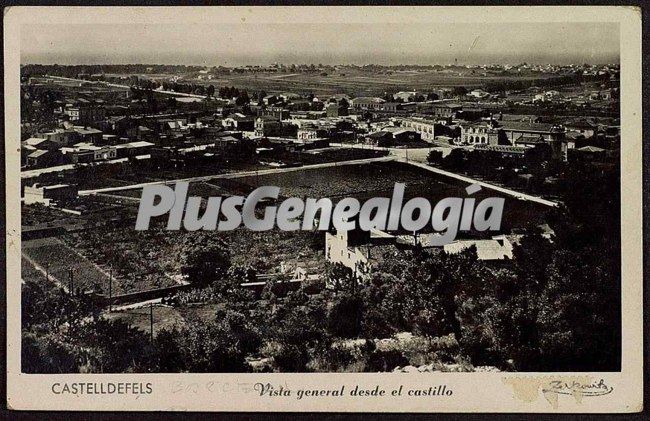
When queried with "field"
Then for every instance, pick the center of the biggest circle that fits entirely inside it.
(358, 82)
(352, 81)
(164, 317)
(151, 259)
(58, 259)
(378, 179)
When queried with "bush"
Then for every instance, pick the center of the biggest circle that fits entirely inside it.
(385, 360)
(345, 317)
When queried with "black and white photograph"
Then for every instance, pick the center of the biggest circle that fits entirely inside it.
(108, 110)
(403, 198)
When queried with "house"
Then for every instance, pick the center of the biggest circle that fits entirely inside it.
(39, 143)
(424, 127)
(88, 134)
(478, 93)
(311, 133)
(288, 96)
(42, 158)
(139, 132)
(277, 112)
(239, 121)
(503, 151)
(587, 154)
(392, 106)
(367, 103)
(513, 130)
(62, 137)
(472, 113)
(479, 133)
(129, 149)
(168, 125)
(586, 127)
(85, 112)
(300, 105)
(357, 250)
(445, 109)
(403, 135)
(547, 96)
(336, 110)
(499, 247)
(406, 96)
(87, 152)
(47, 194)
(380, 138)
(346, 248)
(268, 126)
(270, 99)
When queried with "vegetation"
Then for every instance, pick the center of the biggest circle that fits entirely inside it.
(556, 307)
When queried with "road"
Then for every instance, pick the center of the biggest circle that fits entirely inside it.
(66, 167)
(237, 175)
(413, 154)
(509, 192)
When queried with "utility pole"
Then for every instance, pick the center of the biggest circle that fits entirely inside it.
(151, 321)
(70, 281)
(110, 290)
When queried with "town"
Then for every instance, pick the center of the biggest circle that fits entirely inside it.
(546, 138)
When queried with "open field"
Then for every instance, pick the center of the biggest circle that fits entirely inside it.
(353, 81)
(357, 82)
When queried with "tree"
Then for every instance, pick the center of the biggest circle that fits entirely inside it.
(296, 330)
(260, 97)
(459, 91)
(435, 157)
(43, 354)
(210, 91)
(217, 346)
(340, 277)
(345, 317)
(113, 346)
(205, 259)
(242, 98)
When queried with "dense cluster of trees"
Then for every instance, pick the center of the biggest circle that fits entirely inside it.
(73, 71)
(575, 78)
(527, 172)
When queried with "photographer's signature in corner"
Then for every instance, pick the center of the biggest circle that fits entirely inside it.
(574, 388)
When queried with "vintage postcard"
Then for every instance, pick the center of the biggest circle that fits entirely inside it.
(350, 209)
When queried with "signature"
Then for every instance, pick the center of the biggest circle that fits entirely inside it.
(574, 388)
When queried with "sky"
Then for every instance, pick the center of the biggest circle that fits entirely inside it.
(236, 44)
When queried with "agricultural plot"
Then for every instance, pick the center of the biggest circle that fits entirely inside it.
(164, 317)
(150, 259)
(28, 271)
(59, 261)
(377, 180)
